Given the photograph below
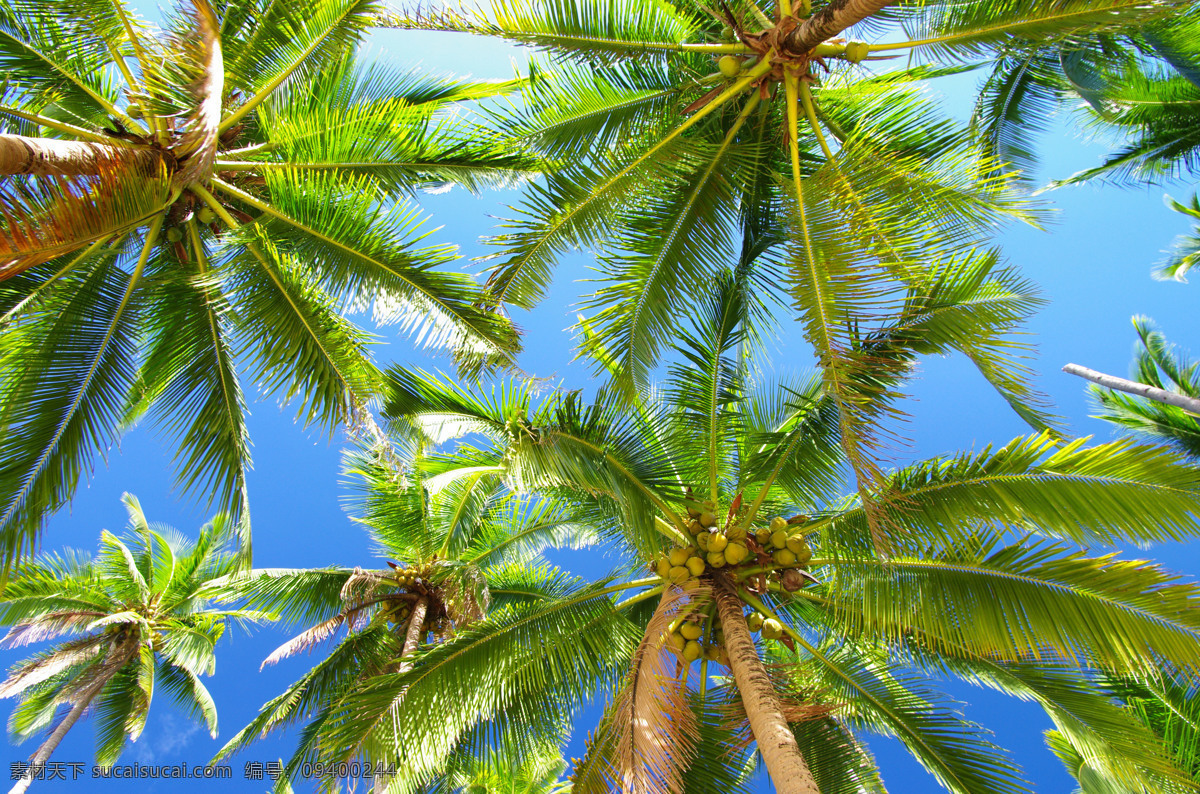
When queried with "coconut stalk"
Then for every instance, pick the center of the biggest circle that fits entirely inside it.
(52, 157)
(829, 22)
(774, 738)
(1189, 404)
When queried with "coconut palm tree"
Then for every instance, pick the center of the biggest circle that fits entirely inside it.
(463, 557)
(692, 134)
(184, 204)
(731, 491)
(1171, 381)
(137, 617)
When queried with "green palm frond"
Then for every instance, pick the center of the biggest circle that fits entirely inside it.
(1105, 493)
(1027, 602)
(556, 653)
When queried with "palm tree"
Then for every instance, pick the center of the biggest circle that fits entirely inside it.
(139, 615)
(1171, 383)
(462, 553)
(183, 205)
(688, 475)
(696, 134)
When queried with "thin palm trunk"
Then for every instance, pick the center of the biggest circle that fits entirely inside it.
(82, 703)
(51, 157)
(1189, 404)
(830, 21)
(775, 740)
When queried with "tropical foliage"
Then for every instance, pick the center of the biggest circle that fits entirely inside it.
(1159, 364)
(709, 455)
(136, 618)
(187, 204)
(464, 561)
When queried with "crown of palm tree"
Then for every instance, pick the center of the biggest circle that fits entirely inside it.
(696, 135)
(184, 204)
(470, 554)
(983, 582)
(137, 616)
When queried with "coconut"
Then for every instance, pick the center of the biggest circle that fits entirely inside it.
(730, 66)
(772, 629)
(736, 532)
(763, 535)
(856, 51)
(692, 651)
(717, 542)
(708, 520)
(695, 565)
(722, 656)
(206, 215)
(679, 573)
(712, 652)
(676, 641)
(716, 559)
(664, 568)
(804, 555)
(778, 523)
(796, 544)
(702, 540)
(754, 620)
(174, 234)
(779, 539)
(678, 556)
(784, 557)
(691, 631)
(134, 110)
(791, 580)
(693, 512)
(736, 553)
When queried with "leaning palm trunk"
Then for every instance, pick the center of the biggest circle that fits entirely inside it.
(775, 740)
(82, 702)
(51, 157)
(1189, 404)
(830, 21)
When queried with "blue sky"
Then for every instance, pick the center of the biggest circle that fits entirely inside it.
(1093, 266)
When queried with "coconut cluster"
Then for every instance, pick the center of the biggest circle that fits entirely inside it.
(777, 552)
(415, 581)
(778, 548)
(697, 635)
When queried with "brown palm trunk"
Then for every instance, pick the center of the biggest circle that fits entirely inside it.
(52, 157)
(830, 21)
(412, 638)
(775, 740)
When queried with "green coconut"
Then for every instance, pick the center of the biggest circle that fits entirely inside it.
(717, 542)
(772, 629)
(730, 66)
(695, 565)
(736, 553)
(778, 523)
(716, 559)
(692, 651)
(691, 631)
(678, 556)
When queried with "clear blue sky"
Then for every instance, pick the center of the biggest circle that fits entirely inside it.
(1093, 265)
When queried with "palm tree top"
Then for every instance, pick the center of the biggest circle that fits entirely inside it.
(185, 203)
(140, 613)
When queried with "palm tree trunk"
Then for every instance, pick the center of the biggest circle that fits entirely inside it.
(1189, 404)
(830, 21)
(775, 740)
(415, 623)
(42, 755)
(412, 638)
(52, 157)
